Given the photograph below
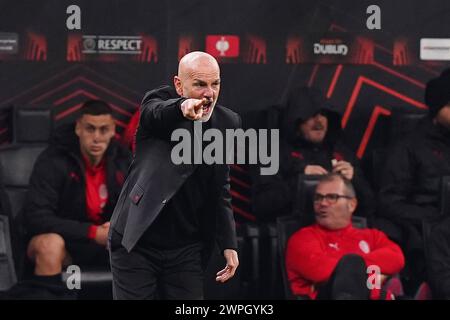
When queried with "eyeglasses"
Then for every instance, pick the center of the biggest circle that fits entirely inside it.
(331, 198)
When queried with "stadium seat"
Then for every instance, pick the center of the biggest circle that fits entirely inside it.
(399, 125)
(403, 123)
(250, 260)
(427, 229)
(378, 162)
(32, 124)
(286, 226)
(303, 206)
(7, 271)
(31, 133)
(270, 283)
(428, 289)
(273, 271)
(445, 196)
(16, 162)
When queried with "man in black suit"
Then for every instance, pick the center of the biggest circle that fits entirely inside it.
(169, 216)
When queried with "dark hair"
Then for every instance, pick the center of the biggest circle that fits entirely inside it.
(95, 108)
(336, 176)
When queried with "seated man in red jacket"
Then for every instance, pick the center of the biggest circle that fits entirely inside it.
(330, 259)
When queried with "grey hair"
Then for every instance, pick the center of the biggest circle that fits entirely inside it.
(349, 188)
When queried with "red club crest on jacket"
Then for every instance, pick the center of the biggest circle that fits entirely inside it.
(298, 155)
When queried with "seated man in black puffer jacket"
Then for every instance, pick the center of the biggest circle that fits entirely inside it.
(410, 190)
(73, 190)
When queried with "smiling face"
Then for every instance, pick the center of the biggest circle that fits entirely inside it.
(336, 215)
(95, 133)
(198, 78)
(315, 128)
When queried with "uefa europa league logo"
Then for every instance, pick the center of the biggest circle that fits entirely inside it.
(222, 46)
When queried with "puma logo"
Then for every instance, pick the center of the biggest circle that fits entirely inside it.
(335, 246)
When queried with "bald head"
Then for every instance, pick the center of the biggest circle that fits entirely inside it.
(195, 60)
(199, 77)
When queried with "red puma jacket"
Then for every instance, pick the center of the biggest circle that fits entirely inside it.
(313, 252)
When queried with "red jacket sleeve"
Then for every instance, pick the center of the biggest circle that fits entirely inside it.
(306, 257)
(129, 133)
(92, 232)
(385, 254)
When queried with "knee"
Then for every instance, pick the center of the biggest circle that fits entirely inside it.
(352, 262)
(47, 245)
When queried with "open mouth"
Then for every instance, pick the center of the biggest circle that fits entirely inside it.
(321, 215)
(207, 107)
(318, 128)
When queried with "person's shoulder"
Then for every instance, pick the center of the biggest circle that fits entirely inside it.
(164, 92)
(63, 143)
(54, 152)
(412, 143)
(223, 111)
(370, 233)
(51, 160)
(306, 232)
(416, 138)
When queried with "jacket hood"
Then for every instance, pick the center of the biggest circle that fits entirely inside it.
(301, 104)
(65, 137)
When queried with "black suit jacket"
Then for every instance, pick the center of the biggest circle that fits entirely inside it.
(153, 179)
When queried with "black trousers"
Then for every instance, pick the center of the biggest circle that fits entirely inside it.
(347, 282)
(150, 273)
